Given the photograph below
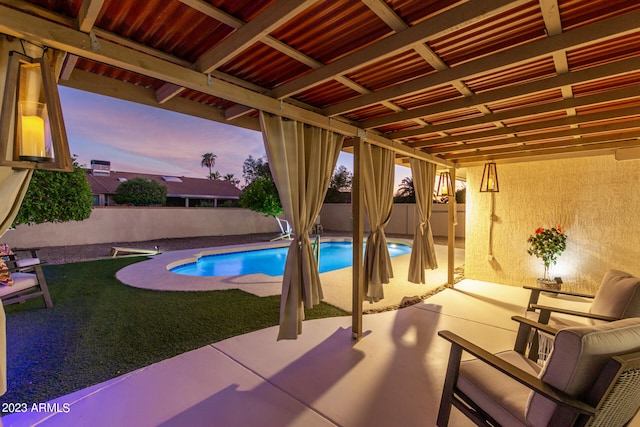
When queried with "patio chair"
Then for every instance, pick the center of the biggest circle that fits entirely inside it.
(286, 231)
(618, 297)
(27, 279)
(317, 228)
(592, 378)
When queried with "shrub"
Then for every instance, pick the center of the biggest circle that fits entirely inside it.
(56, 197)
(140, 192)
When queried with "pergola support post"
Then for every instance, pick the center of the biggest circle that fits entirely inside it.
(357, 213)
(451, 231)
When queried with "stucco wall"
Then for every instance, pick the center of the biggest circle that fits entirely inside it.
(337, 216)
(595, 199)
(112, 224)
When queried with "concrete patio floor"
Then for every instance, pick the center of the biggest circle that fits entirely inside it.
(391, 377)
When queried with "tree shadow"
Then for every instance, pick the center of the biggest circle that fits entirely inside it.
(282, 398)
(407, 391)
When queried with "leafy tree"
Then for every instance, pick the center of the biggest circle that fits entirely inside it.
(140, 192)
(341, 179)
(339, 186)
(208, 161)
(230, 178)
(253, 168)
(406, 192)
(261, 195)
(56, 197)
(214, 175)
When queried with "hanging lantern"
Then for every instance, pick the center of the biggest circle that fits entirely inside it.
(444, 185)
(489, 182)
(32, 132)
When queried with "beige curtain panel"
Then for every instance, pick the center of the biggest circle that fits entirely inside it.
(13, 186)
(302, 159)
(423, 253)
(377, 178)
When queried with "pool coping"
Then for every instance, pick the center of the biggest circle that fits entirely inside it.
(154, 274)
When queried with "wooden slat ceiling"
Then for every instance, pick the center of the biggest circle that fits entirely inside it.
(455, 82)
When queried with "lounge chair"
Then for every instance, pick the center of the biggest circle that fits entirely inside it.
(27, 279)
(286, 231)
(115, 250)
(618, 297)
(592, 376)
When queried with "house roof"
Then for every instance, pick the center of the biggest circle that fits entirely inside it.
(452, 81)
(176, 186)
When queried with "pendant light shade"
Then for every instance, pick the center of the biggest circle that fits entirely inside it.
(32, 132)
(444, 185)
(489, 182)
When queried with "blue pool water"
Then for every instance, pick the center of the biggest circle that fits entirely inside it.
(333, 256)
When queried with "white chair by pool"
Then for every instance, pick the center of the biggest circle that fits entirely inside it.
(286, 232)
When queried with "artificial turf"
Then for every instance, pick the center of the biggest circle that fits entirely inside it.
(100, 328)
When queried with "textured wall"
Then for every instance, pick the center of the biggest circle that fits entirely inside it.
(595, 199)
(337, 217)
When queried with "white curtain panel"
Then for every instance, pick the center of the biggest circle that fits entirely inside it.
(378, 176)
(423, 254)
(302, 159)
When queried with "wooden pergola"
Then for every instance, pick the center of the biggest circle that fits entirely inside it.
(455, 83)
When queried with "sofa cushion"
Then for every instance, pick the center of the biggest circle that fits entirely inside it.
(618, 296)
(21, 281)
(27, 262)
(497, 394)
(578, 356)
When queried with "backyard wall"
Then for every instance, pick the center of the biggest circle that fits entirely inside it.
(113, 224)
(337, 217)
(595, 199)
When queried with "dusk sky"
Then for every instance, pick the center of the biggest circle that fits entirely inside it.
(139, 138)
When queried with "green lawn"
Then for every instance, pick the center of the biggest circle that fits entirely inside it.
(99, 328)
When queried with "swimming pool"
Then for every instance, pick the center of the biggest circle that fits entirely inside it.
(333, 256)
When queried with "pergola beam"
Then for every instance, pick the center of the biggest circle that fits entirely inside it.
(583, 101)
(273, 17)
(537, 126)
(577, 77)
(599, 31)
(88, 14)
(555, 149)
(578, 132)
(444, 23)
(213, 12)
(244, 36)
(28, 27)
(94, 83)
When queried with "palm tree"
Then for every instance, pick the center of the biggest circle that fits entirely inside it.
(214, 175)
(229, 177)
(406, 189)
(208, 161)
